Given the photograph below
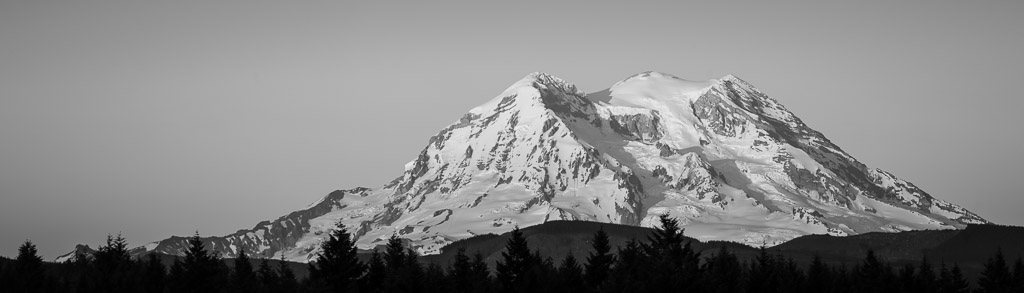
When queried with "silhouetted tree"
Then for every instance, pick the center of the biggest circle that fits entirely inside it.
(461, 272)
(762, 273)
(570, 275)
(907, 278)
(599, 262)
(482, 274)
(376, 273)
(674, 265)
(287, 280)
(269, 280)
(631, 272)
(336, 268)
(404, 272)
(434, 280)
(841, 279)
(722, 272)
(199, 271)
(1018, 275)
(153, 274)
(925, 280)
(516, 264)
(872, 274)
(819, 276)
(243, 279)
(952, 281)
(28, 274)
(996, 278)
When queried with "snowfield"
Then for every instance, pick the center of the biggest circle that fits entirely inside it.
(728, 161)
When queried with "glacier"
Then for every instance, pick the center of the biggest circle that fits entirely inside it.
(725, 159)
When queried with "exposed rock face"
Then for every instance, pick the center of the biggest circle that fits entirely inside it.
(726, 159)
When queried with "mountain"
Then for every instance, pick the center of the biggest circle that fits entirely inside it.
(727, 160)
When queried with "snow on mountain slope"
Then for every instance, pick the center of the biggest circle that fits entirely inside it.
(730, 162)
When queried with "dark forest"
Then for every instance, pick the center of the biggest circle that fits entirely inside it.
(663, 262)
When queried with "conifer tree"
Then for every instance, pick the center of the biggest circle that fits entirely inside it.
(819, 276)
(996, 278)
(722, 272)
(762, 276)
(153, 274)
(404, 272)
(434, 280)
(461, 272)
(287, 281)
(517, 261)
(200, 270)
(336, 268)
(925, 280)
(1018, 275)
(673, 265)
(112, 266)
(269, 280)
(482, 274)
(176, 277)
(376, 273)
(870, 276)
(951, 281)
(907, 278)
(570, 275)
(243, 279)
(632, 270)
(599, 262)
(29, 275)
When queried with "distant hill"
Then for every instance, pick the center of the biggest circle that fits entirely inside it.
(969, 247)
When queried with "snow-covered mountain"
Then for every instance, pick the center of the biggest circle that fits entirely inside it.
(727, 160)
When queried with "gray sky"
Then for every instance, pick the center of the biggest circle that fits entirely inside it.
(158, 118)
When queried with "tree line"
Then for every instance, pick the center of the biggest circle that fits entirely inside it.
(664, 262)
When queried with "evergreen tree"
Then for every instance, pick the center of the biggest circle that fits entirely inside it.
(243, 279)
(841, 280)
(461, 272)
(1018, 275)
(434, 280)
(404, 272)
(722, 272)
(996, 278)
(269, 280)
(287, 280)
(153, 274)
(376, 274)
(516, 263)
(871, 275)
(570, 275)
(113, 266)
(176, 277)
(951, 281)
(336, 268)
(907, 278)
(632, 270)
(925, 280)
(200, 271)
(673, 264)
(599, 262)
(28, 273)
(762, 277)
(791, 277)
(819, 276)
(482, 274)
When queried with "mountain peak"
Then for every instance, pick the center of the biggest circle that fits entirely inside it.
(725, 159)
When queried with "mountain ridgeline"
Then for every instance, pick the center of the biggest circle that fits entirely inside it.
(726, 160)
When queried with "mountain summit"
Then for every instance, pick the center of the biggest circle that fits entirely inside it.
(727, 160)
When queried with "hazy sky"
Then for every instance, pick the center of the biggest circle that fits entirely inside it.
(158, 118)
